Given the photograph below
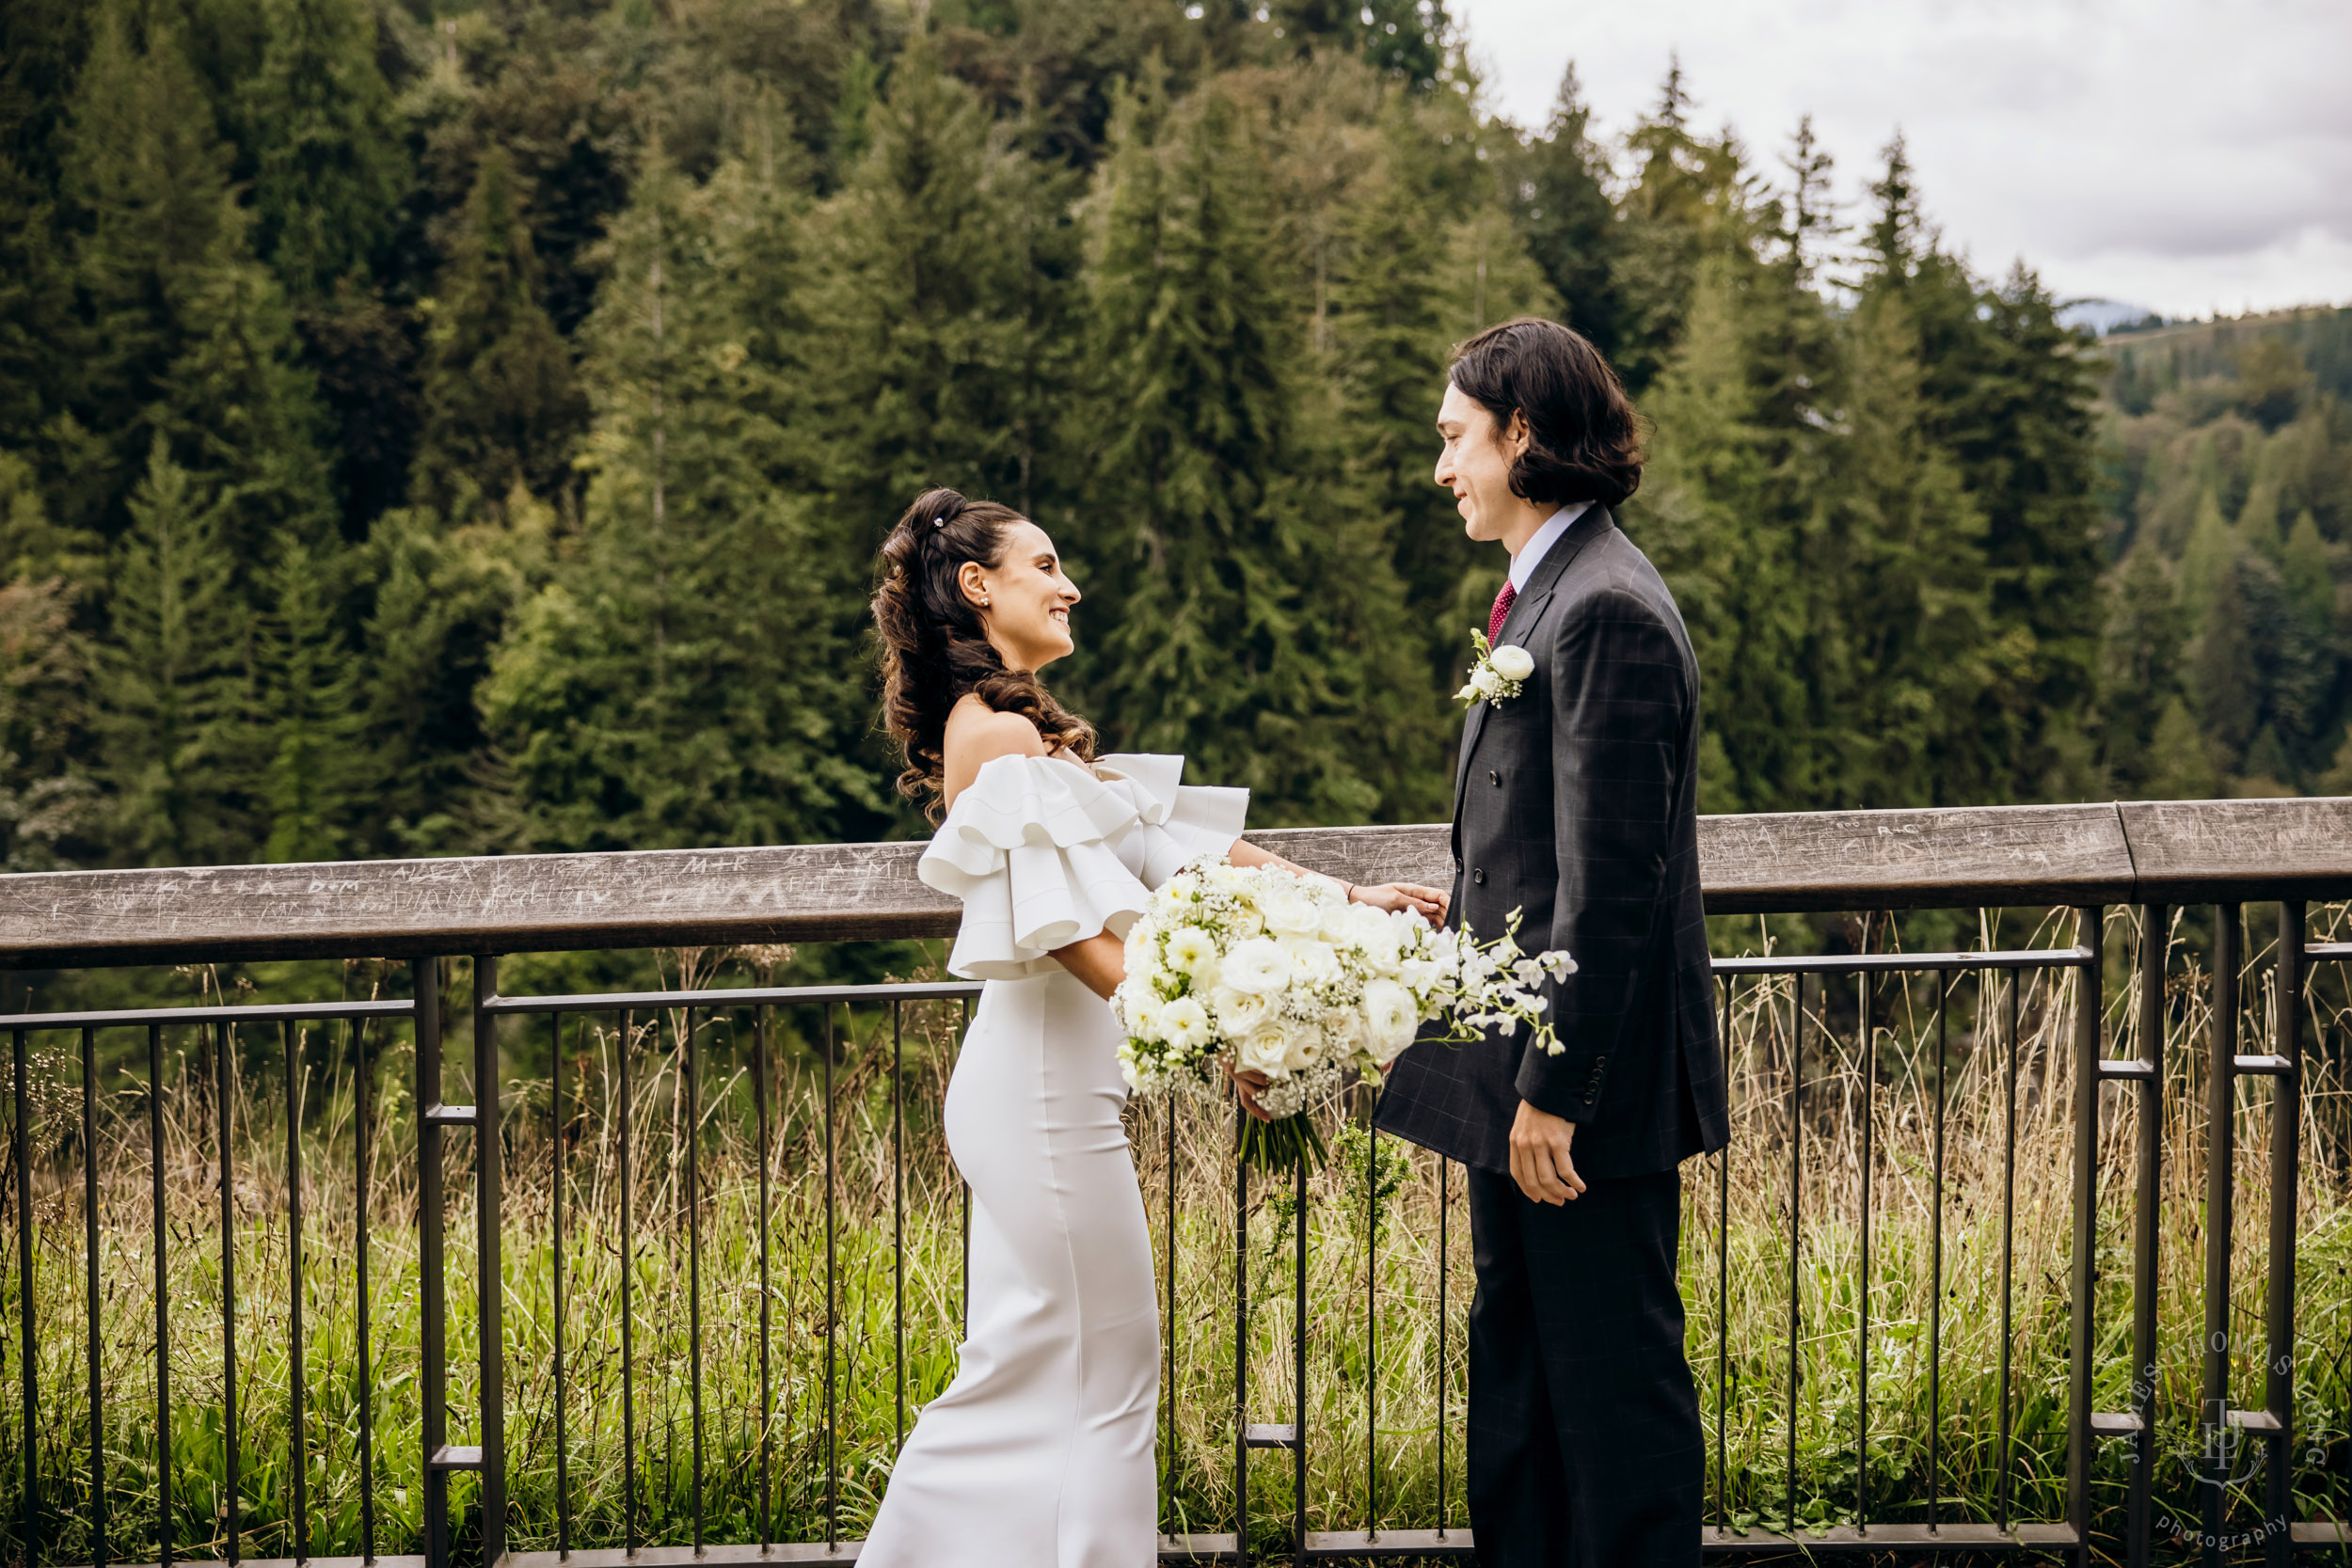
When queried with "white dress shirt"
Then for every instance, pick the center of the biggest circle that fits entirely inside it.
(1532, 554)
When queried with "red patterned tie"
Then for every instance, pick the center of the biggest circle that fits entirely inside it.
(1502, 611)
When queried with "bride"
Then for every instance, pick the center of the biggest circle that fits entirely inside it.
(1040, 1450)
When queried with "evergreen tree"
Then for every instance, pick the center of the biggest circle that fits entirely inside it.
(1389, 359)
(678, 681)
(332, 168)
(503, 408)
(1247, 610)
(307, 718)
(191, 338)
(1569, 223)
(169, 688)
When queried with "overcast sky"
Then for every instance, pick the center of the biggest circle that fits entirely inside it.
(2194, 156)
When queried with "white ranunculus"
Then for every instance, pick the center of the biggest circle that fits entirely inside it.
(1305, 1046)
(1390, 1017)
(1487, 683)
(1512, 662)
(1240, 1012)
(1185, 1023)
(1186, 946)
(1258, 966)
(1265, 1049)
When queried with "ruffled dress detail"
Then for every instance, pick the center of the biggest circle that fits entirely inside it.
(1039, 1453)
(1044, 851)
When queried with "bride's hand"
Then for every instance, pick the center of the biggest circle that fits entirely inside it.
(1427, 902)
(1247, 1084)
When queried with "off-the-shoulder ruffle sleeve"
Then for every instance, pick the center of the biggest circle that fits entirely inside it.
(1031, 848)
(1044, 851)
(1179, 822)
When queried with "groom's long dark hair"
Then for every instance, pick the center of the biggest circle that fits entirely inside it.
(933, 647)
(1582, 442)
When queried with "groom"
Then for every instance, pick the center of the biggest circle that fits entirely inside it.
(1575, 803)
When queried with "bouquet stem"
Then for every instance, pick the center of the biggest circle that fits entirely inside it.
(1276, 1147)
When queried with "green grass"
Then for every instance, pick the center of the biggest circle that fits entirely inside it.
(1751, 1331)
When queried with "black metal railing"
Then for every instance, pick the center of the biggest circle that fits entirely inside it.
(1805, 1068)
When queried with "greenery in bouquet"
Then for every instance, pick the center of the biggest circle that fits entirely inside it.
(1275, 974)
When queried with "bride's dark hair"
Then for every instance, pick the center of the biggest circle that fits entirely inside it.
(932, 645)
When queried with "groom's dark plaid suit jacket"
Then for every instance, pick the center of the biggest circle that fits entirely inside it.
(1576, 804)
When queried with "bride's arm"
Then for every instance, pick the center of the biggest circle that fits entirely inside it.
(1427, 902)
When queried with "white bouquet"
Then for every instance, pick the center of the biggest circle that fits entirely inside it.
(1281, 975)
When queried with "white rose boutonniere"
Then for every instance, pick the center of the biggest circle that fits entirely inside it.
(1496, 675)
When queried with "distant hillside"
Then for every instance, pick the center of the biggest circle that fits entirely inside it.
(2227, 658)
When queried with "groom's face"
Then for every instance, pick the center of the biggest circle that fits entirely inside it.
(1475, 464)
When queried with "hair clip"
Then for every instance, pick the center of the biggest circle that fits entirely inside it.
(940, 521)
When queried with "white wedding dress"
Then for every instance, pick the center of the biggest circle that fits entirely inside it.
(1040, 1452)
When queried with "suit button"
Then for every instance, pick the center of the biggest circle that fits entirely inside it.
(1494, 778)
(1478, 875)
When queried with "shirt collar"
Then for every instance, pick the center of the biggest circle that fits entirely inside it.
(1532, 555)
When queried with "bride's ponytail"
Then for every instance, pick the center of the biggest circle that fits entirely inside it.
(935, 648)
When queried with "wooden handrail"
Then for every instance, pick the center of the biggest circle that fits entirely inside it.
(1963, 857)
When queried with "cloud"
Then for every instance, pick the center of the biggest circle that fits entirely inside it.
(2199, 151)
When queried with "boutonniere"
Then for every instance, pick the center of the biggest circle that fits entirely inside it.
(1496, 675)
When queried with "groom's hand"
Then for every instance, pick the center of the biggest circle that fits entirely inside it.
(1427, 902)
(1539, 1156)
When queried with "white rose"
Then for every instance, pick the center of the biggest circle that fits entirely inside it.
(1312, 960)
(1240, 1012)
(1186, 946)
(1390, 1017)
(1289, 910)
(1258, 966)
(1512, 662)
(1264, 1048)
(1185, 1023)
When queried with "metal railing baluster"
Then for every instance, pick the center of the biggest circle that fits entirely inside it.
(1723, 1288)
(1796, 1232)
(2154, 943)
(27, 1363)
(555, 1213)
(1371, 1323)
(432, 1285)
(1298, 1338)
(1865, 1033)
(89, 1263)
(490, 1276)
(1241, 1344)
(364, 1157)
(2090, 924)
(1445, 1498)
(2220, 1093)
(898, 1222)
(833, 1271)
(225, 1074)
(296, 1447)
(2286, 1106)
(162, 1219)
(693, 1068)
(1935, 1263)
(766, 1290)
(627, 1025)
(2008, 1245)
